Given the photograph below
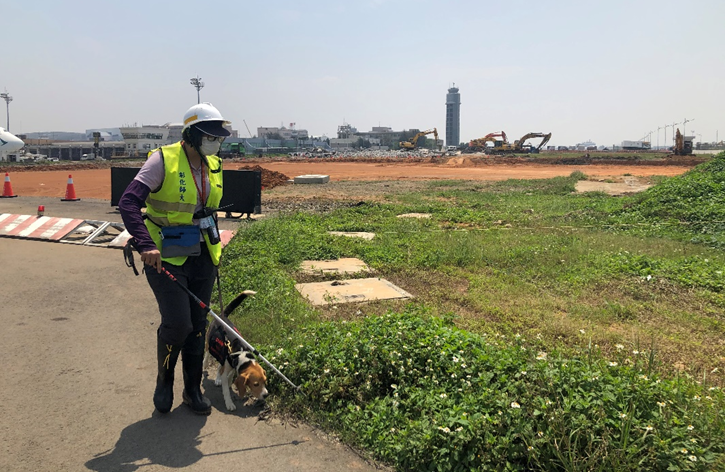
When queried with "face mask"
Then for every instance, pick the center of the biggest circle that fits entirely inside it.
(209, 148)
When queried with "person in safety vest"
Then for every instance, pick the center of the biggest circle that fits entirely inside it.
(181, 185)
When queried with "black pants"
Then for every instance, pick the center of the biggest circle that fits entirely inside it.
(180, 314)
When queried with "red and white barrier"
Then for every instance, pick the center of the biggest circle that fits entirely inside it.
(33, 227)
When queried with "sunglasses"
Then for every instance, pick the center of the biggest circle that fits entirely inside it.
(211, 138)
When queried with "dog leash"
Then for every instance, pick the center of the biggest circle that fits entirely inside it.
(128, 257)
(230, 331)
(219, 288)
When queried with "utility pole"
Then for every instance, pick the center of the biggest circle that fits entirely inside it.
(658, 136)
(6, 96)
(198, 85)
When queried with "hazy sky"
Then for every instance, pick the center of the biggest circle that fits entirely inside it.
(601, 70)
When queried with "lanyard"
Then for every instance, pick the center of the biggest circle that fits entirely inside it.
(201, 192)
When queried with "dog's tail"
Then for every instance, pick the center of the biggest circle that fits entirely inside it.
(229, 309)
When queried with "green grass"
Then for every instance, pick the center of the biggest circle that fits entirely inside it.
(586, 278)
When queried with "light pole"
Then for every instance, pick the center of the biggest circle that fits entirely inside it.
(658, 136)
(684, 123)
(6, 96)
(198, 85)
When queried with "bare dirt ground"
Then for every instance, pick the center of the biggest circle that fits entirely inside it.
(92, 182)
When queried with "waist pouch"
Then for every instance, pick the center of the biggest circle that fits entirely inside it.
(178, 241)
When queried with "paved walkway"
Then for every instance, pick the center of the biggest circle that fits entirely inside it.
(78, 350)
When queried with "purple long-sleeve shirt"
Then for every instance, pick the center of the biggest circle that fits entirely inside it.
(130, 206)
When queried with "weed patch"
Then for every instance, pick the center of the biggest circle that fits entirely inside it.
(416, 391)
(578, 276)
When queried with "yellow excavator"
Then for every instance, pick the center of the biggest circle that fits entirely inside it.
(477, 145)
(412, 143)
(683, 146)
(519, 146)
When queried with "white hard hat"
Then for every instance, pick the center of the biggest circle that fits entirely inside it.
(206, 118)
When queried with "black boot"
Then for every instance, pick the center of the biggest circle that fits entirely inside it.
(164, 394)
(192, 356)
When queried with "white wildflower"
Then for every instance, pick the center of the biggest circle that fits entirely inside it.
(613, 364)
(619, 347)
(692, 458)
(515, 405)
(690, 427)
(443, 395)
(582, 331)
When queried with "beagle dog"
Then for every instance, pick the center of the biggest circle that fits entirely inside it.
(236, 365)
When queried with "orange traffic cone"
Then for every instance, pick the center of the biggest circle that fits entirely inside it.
(8, 188)
(70, 191)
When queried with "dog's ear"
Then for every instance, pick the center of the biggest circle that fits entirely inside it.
(241, 383)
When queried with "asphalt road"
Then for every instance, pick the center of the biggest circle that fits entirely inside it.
(78, 350)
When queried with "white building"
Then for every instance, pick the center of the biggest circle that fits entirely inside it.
(284, 133)
(140, 140)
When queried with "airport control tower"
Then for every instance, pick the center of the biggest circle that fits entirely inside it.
(453, 116)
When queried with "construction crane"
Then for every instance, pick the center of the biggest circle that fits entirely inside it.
(245, 125)
(519, 145)
(412, 143)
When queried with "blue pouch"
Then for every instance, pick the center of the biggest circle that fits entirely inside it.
(180, 241)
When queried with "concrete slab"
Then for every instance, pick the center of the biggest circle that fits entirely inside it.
(351, 291)
(349, 265)
(628, 186)
(312, 179)
(414, 215)
(353, 234)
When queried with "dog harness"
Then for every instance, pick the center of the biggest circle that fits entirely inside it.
(221, 348)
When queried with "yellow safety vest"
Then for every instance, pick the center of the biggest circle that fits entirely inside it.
(174, 203)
